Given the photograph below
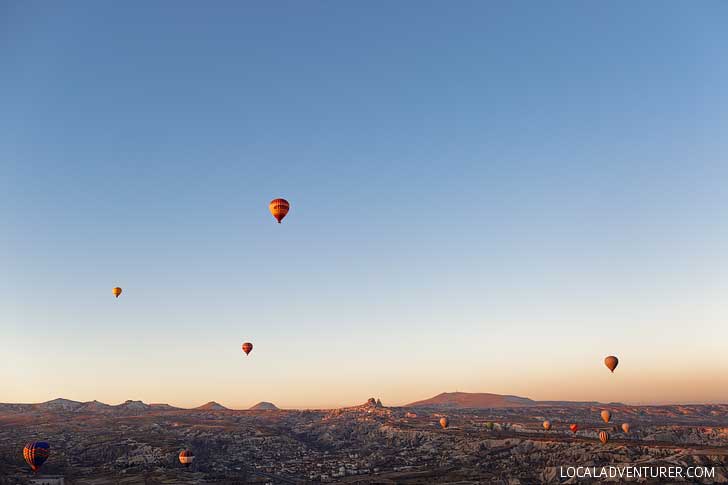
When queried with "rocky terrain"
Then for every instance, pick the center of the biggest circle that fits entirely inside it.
(130, 443)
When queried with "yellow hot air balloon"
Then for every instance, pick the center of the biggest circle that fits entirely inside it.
(603, 437)
(611, 362)
(625, 427)
(547, 425)
(444, 422)
(279, 208)
(116, 291)
(606, 415)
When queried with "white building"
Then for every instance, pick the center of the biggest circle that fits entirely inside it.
(47, 480)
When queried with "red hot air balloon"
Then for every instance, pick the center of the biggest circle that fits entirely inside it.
(279, 208)
(247, 347)
(186, 457)
(611, 362)
(574, 428)
(603, 437)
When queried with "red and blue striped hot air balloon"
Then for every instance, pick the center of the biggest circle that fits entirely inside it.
(36, 454)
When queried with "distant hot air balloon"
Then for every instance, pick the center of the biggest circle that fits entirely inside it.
(279, 208)
(603, 437)
(574, 428)
(36, 454)
(611, 362)
(489, 425)
(547, 425)
(625, 427)
(186, 457)
(116, 291)
(606, 415)
(247, 347)
(444, 422)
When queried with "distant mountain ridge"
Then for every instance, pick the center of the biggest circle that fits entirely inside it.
(127, 407)
(211, 406)
(264, 406)
(484, 400)
(443, 401)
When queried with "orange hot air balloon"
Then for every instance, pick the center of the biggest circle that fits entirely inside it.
(611, 362)
(547, 425)
(603, 437)
(606, 416)
(444, 422)
(625, 427)
(574, 428)
(116, 291)
(186, 457)
(279, 208)
(247, 347)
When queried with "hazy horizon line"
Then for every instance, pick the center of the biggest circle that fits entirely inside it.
(358, 403)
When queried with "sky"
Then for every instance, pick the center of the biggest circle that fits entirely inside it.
(485, 197)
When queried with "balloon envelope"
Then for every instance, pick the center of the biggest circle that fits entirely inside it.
(603, 437)
(279, 208)
(547, 425)
(611, 362)
(186, 457)
(574, 428)
(444, 422)
(116, 291)
(36, 454)
(606, 416)
(625, 427)
(247, 347)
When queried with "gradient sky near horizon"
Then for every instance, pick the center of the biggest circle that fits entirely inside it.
(486, 197)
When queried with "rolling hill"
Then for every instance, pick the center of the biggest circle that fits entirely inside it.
(264, 406)
(484, 400)
(211, 406)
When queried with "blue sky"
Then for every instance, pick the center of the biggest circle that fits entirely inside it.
(485, 197)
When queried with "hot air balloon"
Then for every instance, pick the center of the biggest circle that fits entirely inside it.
(606, 415)
(116, 291)
(611, 362)
(625, 427)
(547, 425)
(444, 422)
(279, 208)
(36, 454)
(186, 457)
(247, 347)
(574, 428)
(489, 425)
(603, 437)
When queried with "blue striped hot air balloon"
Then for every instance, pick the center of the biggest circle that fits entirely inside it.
(36, 454)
